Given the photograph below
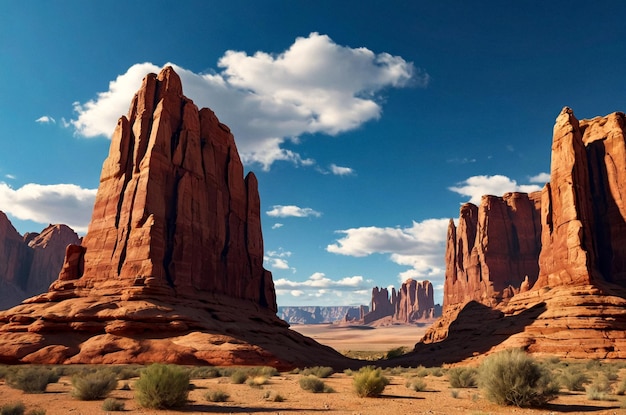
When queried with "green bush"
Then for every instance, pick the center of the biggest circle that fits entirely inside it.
(216, 396)
(369, 381)
(16, 408)
(162, 386)
(112, 404)
(91, 386)
(573, 380)
(312, 383)
(512, 377)
(462, 377)
(204, 372)
(238, 377)
(319, 371)
(31, 379)
(395, 352)
(418, 384)
(266, 371)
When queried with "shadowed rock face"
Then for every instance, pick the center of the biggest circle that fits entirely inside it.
(576, 281)
(171, 268)
(30, 263)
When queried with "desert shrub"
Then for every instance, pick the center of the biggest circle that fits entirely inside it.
(204, 372)
(127, 372)
(277, 398)
(421, 371)
(436, 371)
(266, 371)
(599, 389)
(573, 380)
(395, 352)
(369, 381)
(31, 379)
(319, 371)
(216, 396)
(348, 372)
(312, 384)
(16, 408)
(4, 370)
(417, 384)
(511, 377)
(162, 386)
(454, 393)
(93, 385)
(112, 404)
(256, 381)
(621, 389)
(238, 377)
(462, 377)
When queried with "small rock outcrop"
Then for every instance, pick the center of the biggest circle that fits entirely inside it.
(171, 269)
(414, 301)
(569, 299)
(30, 263)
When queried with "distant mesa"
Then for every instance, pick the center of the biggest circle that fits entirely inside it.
(321, 314)
(413, 302)
(171, 267)
(30, 263)
(544, 271)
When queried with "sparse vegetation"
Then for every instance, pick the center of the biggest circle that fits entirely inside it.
(462, 377)
(319, 371)
(573, 380)
(395, 352)
(512, 377)
(454, 393)
(113, 405)
(314, 384)
(204, 372)
(162, 386)
(31, 379)
(417, 384)
(369, 382)
(256, 381)
(16, 408)
(91, 386)
(600, 388)
(216, 396)
(238, 377)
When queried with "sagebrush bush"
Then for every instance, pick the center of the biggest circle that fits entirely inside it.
(573, 380)
(216, 396)
(462, 377)
(238, 377)
(256, 381)
(511, 377)
(16, 408)
(417, 384)
(162, 386)
(369, 381)
(319, 371)
(599, 389)
(204, 372)
(91, 386)
(113, 405)
(312, 383)
(31, 379)
(395, 352)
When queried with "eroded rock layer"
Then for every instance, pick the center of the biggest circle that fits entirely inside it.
(414, 301)
(574, 304)
(171, 268)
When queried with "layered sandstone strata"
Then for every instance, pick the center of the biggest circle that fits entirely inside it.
(414, 301)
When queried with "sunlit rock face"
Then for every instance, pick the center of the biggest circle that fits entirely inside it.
(414, 301)
(566, 275)
(171, 268)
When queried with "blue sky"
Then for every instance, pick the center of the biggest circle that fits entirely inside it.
(367, 123)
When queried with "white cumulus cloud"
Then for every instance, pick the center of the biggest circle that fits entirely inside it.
(315, 86)
(280, 211)
(476, 187)
(540, 178)
(56, 203)
(318, 289)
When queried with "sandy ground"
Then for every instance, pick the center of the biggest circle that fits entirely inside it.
(438, 398)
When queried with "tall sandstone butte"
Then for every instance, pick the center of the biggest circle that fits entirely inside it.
(568, 300)
(414, 301)
(171, 268)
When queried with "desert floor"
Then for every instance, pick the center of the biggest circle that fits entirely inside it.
(438, 398)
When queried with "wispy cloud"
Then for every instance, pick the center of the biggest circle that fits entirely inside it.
(280, 211)
(341, 171)
(57, 203)
(318, 288)
(277, 260)
(45, 119)
(10, 176)
(315, 86)
(277, 225)
(476, 187)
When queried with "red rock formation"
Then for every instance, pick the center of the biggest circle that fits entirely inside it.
(171, 268)
(575, 308)
(30, 263)
(494, 250)
(413, 302)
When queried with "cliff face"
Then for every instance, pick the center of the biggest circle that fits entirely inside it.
(572, 303)
(493, 253)
(320, 315)
(171, 269)
(30, 263)
(413, 302)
